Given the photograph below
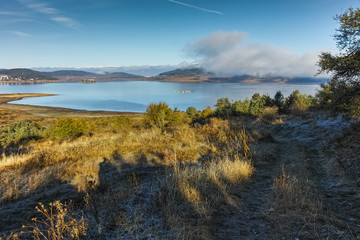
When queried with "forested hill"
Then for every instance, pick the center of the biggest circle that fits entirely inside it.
(190, 72)
(67, 73)
(125, 75)
(74, 73)
(22, 74)
(25, 74)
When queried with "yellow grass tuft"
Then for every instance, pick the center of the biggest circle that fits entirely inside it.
(292, 193)
(234, 171)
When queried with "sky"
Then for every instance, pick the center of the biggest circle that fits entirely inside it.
(256, 37)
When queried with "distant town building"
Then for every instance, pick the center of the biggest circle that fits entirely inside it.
(4, 77)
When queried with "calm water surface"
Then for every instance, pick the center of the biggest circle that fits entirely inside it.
(134, 96)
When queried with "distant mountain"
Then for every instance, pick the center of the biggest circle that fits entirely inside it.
(187, 72)
(26, 74)
(125, 75)
(68, 73)
(77, 75)
(145, 70)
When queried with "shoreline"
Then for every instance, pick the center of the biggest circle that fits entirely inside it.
(44, 111)
(10, 97)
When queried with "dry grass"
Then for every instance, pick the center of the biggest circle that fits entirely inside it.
(77, 161)
(189, 194)
(297, 210)
(195, 169)
(292, 193)
(269, 115)
(12, 236)
(233, 171)
(57, 222)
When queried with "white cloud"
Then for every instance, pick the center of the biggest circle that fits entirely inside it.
(230, 53)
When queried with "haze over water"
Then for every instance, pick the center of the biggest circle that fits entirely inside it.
(134, 96)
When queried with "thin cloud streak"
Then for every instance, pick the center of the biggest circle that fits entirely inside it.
(14, 21)
(4, 13)
(65, 21)
(52, 13)
(42, 8)
(19, 34)
(199, 8)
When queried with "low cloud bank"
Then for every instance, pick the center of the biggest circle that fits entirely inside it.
(230, 53)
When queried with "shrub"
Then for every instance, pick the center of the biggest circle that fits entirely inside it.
(121, 122)
(354, 107)
(339, 96)
(68, 128)
(279, 100)
(297, 102)
(241, 107)
(204, 115)
(191, 112)
(223, 107)
(157, 114)
(176, 118)
(19, 132)
(257, 104)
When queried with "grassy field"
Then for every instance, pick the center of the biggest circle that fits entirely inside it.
(67, 174)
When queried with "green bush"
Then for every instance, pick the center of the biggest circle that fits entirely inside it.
(157, 114)
(297, 102)
(339, 96)
(279, 100)
(241, 107)
(191, 112)
(203, 115)
(68, 128)
(121, 122)
(257, 104)
(354, 107)
(223, 107)
(254, 107)
(19, 132)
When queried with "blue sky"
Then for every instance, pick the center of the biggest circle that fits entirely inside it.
(228, 36)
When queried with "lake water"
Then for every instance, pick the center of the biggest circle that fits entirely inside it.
(134, 96)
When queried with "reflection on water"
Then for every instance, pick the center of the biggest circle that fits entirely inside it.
(134, 96)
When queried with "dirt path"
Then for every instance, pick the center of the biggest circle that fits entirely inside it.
(332, 207)
(303, 155)
(249, 220)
